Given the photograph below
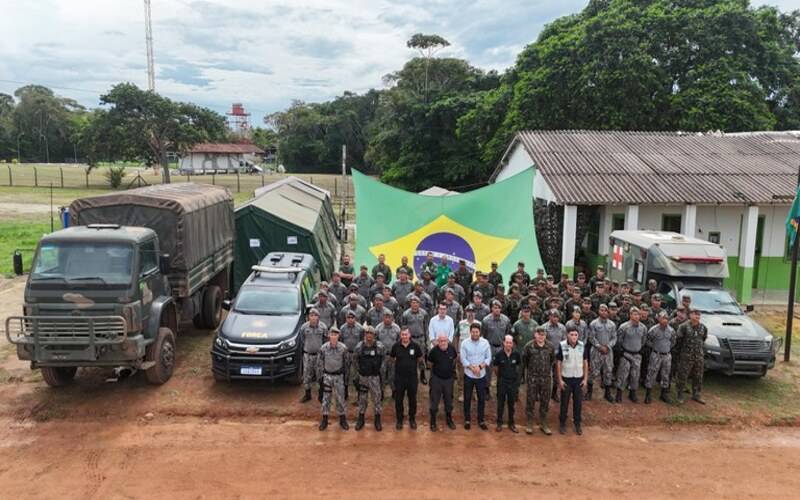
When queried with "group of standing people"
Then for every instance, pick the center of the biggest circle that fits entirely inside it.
(464, 337)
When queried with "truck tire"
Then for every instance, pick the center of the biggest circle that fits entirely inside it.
(296, 378)
(58, 376)
(211, 314)
(162, 352)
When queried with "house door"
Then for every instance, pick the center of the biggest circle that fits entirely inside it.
(757, 253)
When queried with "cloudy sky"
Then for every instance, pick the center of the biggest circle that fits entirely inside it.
(261, 53)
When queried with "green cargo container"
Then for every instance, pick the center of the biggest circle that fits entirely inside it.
(289, 215)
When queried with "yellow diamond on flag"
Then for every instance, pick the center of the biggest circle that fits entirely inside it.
(446, 237)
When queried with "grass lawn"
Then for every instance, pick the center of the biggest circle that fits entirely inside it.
(22, 235)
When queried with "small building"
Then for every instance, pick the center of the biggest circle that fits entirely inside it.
(438, 191)
(732, 189)
(289, 215)
(210, 158)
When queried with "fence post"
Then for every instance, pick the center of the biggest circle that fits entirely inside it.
(335, 188)
(213, 178)
(238, 186)
(10, 179)
(262, 181)
(87, 178)
(35, 177)
(188, 177)
(311, 179)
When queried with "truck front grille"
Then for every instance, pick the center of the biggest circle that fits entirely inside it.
(747, 346)
(65, 329)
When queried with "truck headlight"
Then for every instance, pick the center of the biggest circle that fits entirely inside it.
(221, 343)
(768, 339)
(288, 344)
(712, 341)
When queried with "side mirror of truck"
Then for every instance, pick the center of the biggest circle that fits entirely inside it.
(226, 304)
(163, 263)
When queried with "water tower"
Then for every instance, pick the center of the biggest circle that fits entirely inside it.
(238, 119)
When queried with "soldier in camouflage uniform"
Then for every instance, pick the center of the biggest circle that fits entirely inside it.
(602, 337)
(416, 320)
(587, 314)
(692, 335)
(660, 340)
(425, 300)
(405, 267)
(391, 303)
(313, 334)
(364, 282)
(402, 288)
(454, 309)
(387, 332)
(377, 311)
(494, 277)
(337, 289)
(538, 359)
(514, 303)
(600, 296)
(555, 332)
(429, 286)
(327, 311)
(370, 357)
(350, 335)
(578, 324)
(331, 370)
(494, 328)
(630, 336)
(378, 286)
(352, 307)
(679, 316)
(463, 277)
(483, 286)
(481, 309)
(382, 268)
(451, 284)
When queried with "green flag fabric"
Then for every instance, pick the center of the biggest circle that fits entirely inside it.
(793, 219)
(491, 224)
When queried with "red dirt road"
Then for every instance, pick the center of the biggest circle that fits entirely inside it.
(197, 458)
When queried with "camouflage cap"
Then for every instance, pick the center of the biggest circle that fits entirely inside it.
(333, 330)
(350, 313)
(369, 329)
(497, 303)
(470, 308)
(612, 305)
(353, 296)
(313, 311)
(413, 298)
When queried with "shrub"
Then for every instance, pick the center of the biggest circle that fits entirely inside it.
(115, 176)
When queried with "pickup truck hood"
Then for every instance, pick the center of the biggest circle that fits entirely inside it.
(258, 329)
(733, 326)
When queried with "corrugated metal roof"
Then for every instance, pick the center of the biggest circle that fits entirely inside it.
(226, 148)
(592, 167)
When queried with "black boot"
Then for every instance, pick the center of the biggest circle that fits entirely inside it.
(450, 423)
(422, 378)
(323, 424)
(648, 396)
(665, 397)
(378, 426)
(618, 399)
(632, 396)
(360, 422)
(306, 396)
(412, 422)
(589, 392)
(343, 422)
(345, 393)
(433, 422)
(607, 394)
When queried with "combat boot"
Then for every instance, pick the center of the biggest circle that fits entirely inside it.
(529, 427)
(696, 397)
(648, 396)
(681, 396)
(378, 425)
(360, 422)
(545, 428)
(433, 422)
(632, 396)
(607, 394)
(412, 423)
(343, 422)
(450, 423)
(306, 396)
(618, 399)
(665, 397)
(323, 424)
(589, 392)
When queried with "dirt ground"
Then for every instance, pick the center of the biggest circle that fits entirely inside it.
(194, 438)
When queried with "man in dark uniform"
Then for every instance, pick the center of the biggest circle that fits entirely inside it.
(599, 277)
(442, 361)
(692, 335)
(406, 356)
(494, 277)
(599, 296)
(369, 357)
(463, 277)
(520, 273)
(483, 286)
(508, 365)
(405, 267)
(347, 271)
(538, 358)
(382, 268)
(429, 286)
(364, 282)
(514, 303)
(429, 265)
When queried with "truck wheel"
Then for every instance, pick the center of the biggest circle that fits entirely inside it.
(212, 307)
(58, 376)
(162, 353)
(296, 378)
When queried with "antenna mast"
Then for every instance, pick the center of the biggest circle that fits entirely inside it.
(148, 35)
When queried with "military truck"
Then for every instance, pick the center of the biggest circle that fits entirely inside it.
(113, 289)
(681, 265)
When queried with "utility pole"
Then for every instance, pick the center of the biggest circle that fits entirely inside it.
(148, 36)
(787, 345)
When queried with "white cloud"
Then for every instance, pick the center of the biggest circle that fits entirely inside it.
(262, 53)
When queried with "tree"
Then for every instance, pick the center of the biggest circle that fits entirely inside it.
(147, 125)
(42, 123)
(427, 46)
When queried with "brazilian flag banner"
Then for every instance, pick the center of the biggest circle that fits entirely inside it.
(491, 224)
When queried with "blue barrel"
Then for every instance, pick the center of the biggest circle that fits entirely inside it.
(64, 217)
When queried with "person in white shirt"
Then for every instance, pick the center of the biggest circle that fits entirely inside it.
(441, 323)
(572, 374)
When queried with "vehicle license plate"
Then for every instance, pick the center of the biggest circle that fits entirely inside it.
(250, 370)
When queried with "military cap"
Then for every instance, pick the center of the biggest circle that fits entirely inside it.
(601, 267)
(449, 290)
(353, 286)
(614, 282)
(378, 296)
(612, 304)
(525, 307)
(553, 312)
(602, 307)
(656, 296)
(500, 286)
(663, 314)
(694, 310)
(313, 311)
(634, 310)
(587, 300)
(333, 329)
(680, 307)
(380, 275)
(323, 283)
(335, 273)
(352, 296)
(496, 303)
(581, 275)
(462, 261)
(539, 329)
(322, 293)
(451, 275)
(363, 266)
(388, 313)
(402, 271)
(369, 329)
(470, 308)
(350, 313)
(426, 271)
(477, 294)
(414, 298)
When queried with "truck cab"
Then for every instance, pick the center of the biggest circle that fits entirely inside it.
(681, 265)
(259, 338)
(90, 300)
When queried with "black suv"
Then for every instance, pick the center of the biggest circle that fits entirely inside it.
(259, 337)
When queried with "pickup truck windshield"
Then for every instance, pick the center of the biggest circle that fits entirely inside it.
(86, 263)
(712, 301)
(266, 301)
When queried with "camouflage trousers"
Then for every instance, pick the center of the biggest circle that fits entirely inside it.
(630, 367)
(602, 365)
(369, 388)
(659, 364)
(387, 377)
(309, 370)
(690, 366)
(332, 385)
(425, 346)
(538, 389)
(351, 370)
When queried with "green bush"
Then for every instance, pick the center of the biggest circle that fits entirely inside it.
(115, 176)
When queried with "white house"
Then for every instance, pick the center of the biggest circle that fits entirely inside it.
(219, 157)
(734, 189)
